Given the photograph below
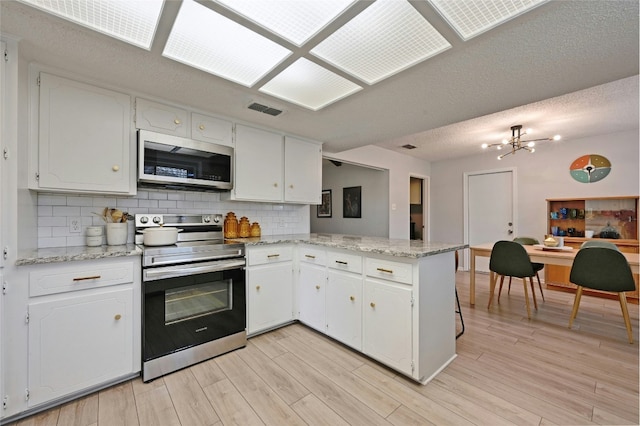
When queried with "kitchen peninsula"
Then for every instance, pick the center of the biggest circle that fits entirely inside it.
(390, 299)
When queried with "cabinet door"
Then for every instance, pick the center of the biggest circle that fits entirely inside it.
(161, 118)
(79, 342)
(303, 171)
(211, 129)
(258, 165)
(344, 308)
(311, 296)
(387, 324)
(270, 296)
(84, 137)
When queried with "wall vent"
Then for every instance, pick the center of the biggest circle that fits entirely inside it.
(265, 109)
(409, 146)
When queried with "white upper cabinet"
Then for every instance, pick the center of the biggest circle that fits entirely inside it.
(258, 165)
(302, 171)
(161, 118)
(270, 167)
(84, 139)
(211, 129)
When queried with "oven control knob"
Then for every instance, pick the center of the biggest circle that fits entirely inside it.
(206, 219)
(144, 219)
(216, 219)
(157, 220)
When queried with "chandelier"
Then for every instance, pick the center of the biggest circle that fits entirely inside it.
(515, 143)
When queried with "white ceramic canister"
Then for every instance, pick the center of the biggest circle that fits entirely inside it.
(117, 233)
(94, 231)
(94, 240)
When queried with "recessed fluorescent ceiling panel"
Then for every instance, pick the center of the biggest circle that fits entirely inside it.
(309, 85)
(387, 37)
(206, 40)
(132, 21)
(294, 20)
(471, 18)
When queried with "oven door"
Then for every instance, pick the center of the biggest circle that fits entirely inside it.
(184, 310)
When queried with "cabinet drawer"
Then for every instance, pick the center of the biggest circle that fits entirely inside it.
(389, 270)
(270, 254)
(312, 255)
(344, 262)
(62, 278)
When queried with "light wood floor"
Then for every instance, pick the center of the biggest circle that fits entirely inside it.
(509, 370)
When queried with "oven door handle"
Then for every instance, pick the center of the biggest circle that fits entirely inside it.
(152, 274)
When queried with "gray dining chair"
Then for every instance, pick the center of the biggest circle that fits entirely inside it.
(537, 267)
(603, 269)
(510, 259)
(598, 243)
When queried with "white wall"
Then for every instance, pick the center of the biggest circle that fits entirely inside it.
(374, 196)
(542, 175)
(400, 168)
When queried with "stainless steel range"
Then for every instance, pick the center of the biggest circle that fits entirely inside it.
(194, 305)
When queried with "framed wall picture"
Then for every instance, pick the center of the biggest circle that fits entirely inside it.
(324, 209)
(352, 202)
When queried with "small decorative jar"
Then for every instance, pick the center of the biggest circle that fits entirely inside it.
(231, 226)
(255, 230)
(244, 227)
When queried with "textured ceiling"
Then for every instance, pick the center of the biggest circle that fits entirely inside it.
(447, 105)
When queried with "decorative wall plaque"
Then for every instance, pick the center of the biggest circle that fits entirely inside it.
(590, 168)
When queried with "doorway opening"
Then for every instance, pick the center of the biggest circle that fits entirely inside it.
(417, 204)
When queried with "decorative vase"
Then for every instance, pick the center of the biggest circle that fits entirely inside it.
(244, 227)
(117, 233)
(231, 226)
(255, 230)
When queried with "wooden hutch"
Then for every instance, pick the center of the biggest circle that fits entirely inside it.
(613, 219)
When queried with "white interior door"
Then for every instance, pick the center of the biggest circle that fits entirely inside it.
(490, 209)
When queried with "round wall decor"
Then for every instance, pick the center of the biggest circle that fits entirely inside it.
(590, 168)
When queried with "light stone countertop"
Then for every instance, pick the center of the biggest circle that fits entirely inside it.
(413, 249)
(66, 254)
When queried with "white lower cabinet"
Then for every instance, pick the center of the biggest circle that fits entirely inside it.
(269, 287)
(83, 320)
(311, 297)
(79, 342)
(387, 327)
(344, 308)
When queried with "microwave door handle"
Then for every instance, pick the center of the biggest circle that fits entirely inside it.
(178, 271)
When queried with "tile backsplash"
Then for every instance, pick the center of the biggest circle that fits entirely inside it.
(63, 218)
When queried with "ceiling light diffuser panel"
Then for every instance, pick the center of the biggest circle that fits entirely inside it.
(307, 84)
(471, 18)
(294, 20)
(206, 40)
(132, 21)
(387, 37)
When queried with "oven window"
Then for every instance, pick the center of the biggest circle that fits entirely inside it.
(198, 300)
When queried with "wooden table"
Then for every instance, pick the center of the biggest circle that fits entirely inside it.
(548, 257)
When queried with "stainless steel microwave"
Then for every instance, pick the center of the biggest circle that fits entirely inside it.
(176, 162)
